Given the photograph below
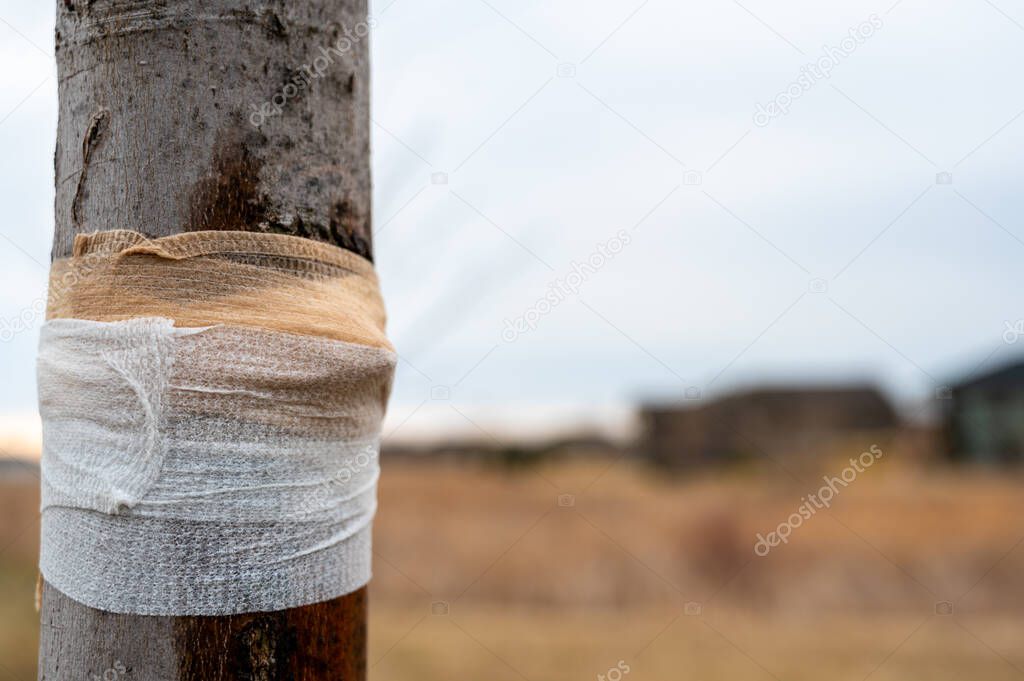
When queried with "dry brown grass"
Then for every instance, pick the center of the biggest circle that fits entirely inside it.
(19, 542)
(541, 591)
(659, 644)
(895, 539)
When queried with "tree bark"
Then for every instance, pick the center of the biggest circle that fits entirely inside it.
(177, 116)
(157, 104)
(311, 643)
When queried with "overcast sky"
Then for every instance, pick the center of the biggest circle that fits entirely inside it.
(807, 236)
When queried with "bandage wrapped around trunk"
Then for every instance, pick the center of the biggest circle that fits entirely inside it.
(211, 407)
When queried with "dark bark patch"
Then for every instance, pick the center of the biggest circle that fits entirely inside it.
(248, 647)
(263, 649)
(273, 25)
(320, 641)
(347, 230)
(229, 197)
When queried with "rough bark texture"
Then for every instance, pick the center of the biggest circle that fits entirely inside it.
(322, 641)
(158, 100)
(179, 116)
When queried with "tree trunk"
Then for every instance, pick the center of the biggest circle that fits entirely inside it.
(157, 104)
(224, 115)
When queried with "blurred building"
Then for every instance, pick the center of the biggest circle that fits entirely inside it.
(776, 422)
(984, 417)
(509, 452)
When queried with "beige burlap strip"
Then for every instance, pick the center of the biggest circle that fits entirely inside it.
(270, 281)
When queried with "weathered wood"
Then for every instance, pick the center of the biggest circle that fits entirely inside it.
(312, 643)
(158, 100)
(164, 127)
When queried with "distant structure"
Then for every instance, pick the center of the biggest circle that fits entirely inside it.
(778, 422)
(581, 445)
(984, 418)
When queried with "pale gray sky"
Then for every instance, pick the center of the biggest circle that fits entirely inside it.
(813, 245)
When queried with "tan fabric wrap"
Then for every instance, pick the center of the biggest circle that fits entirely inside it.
(269, 281)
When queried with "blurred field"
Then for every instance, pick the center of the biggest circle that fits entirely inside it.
(486, 572)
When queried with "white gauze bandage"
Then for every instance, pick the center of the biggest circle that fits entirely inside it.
(221, 467)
